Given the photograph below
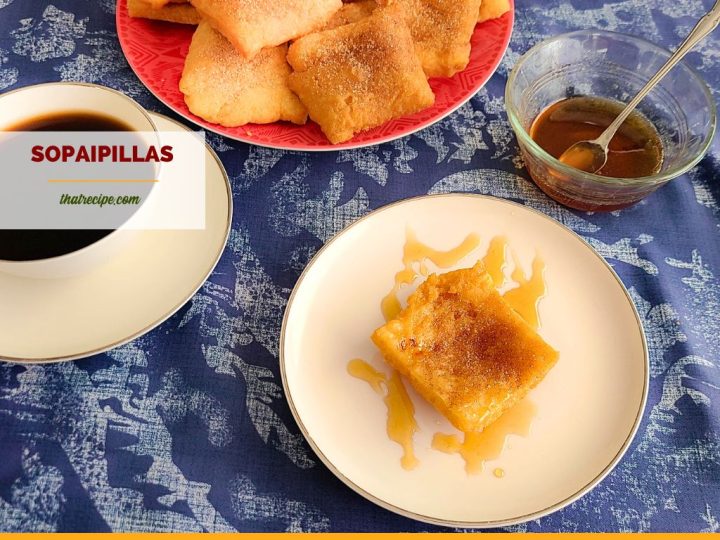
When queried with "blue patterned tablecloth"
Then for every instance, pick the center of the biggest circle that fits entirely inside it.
(161, 435)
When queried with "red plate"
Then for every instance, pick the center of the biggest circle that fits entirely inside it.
(156, 52)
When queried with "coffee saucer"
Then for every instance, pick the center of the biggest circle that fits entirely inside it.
(53, 320)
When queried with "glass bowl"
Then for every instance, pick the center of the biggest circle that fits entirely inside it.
(614, 66)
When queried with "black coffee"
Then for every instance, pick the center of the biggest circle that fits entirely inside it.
(71, 121)
(29, 245)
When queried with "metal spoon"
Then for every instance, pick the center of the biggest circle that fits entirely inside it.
(591, 156)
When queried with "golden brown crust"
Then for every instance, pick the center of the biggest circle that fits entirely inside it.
(360, 75)
(351, 13)
(177, 12)
(492, 9)
(251, 25)
(442, 30)
(464, 349)
(224, 88)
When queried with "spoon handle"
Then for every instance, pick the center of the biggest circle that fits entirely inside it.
(704, 26)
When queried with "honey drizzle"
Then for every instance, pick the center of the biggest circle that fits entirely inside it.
(401, 424)
(415, 252)
(360, 369)
(478, 447)
(525, 298)
(495, 260)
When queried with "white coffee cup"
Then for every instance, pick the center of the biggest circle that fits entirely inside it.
(38, 100)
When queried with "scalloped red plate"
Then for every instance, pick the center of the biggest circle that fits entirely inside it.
(156, 52)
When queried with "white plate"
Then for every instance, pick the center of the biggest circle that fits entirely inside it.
(589, 405)
(50, 320)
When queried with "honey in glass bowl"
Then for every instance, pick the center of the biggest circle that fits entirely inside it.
(673, 132)
(635, 151)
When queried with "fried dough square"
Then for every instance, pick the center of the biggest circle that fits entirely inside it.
(492, 9)
(251, 25)
(442, 30)
(351, 13)
(223, 87)
(360, 75)
(464, 349)
(176, 12)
